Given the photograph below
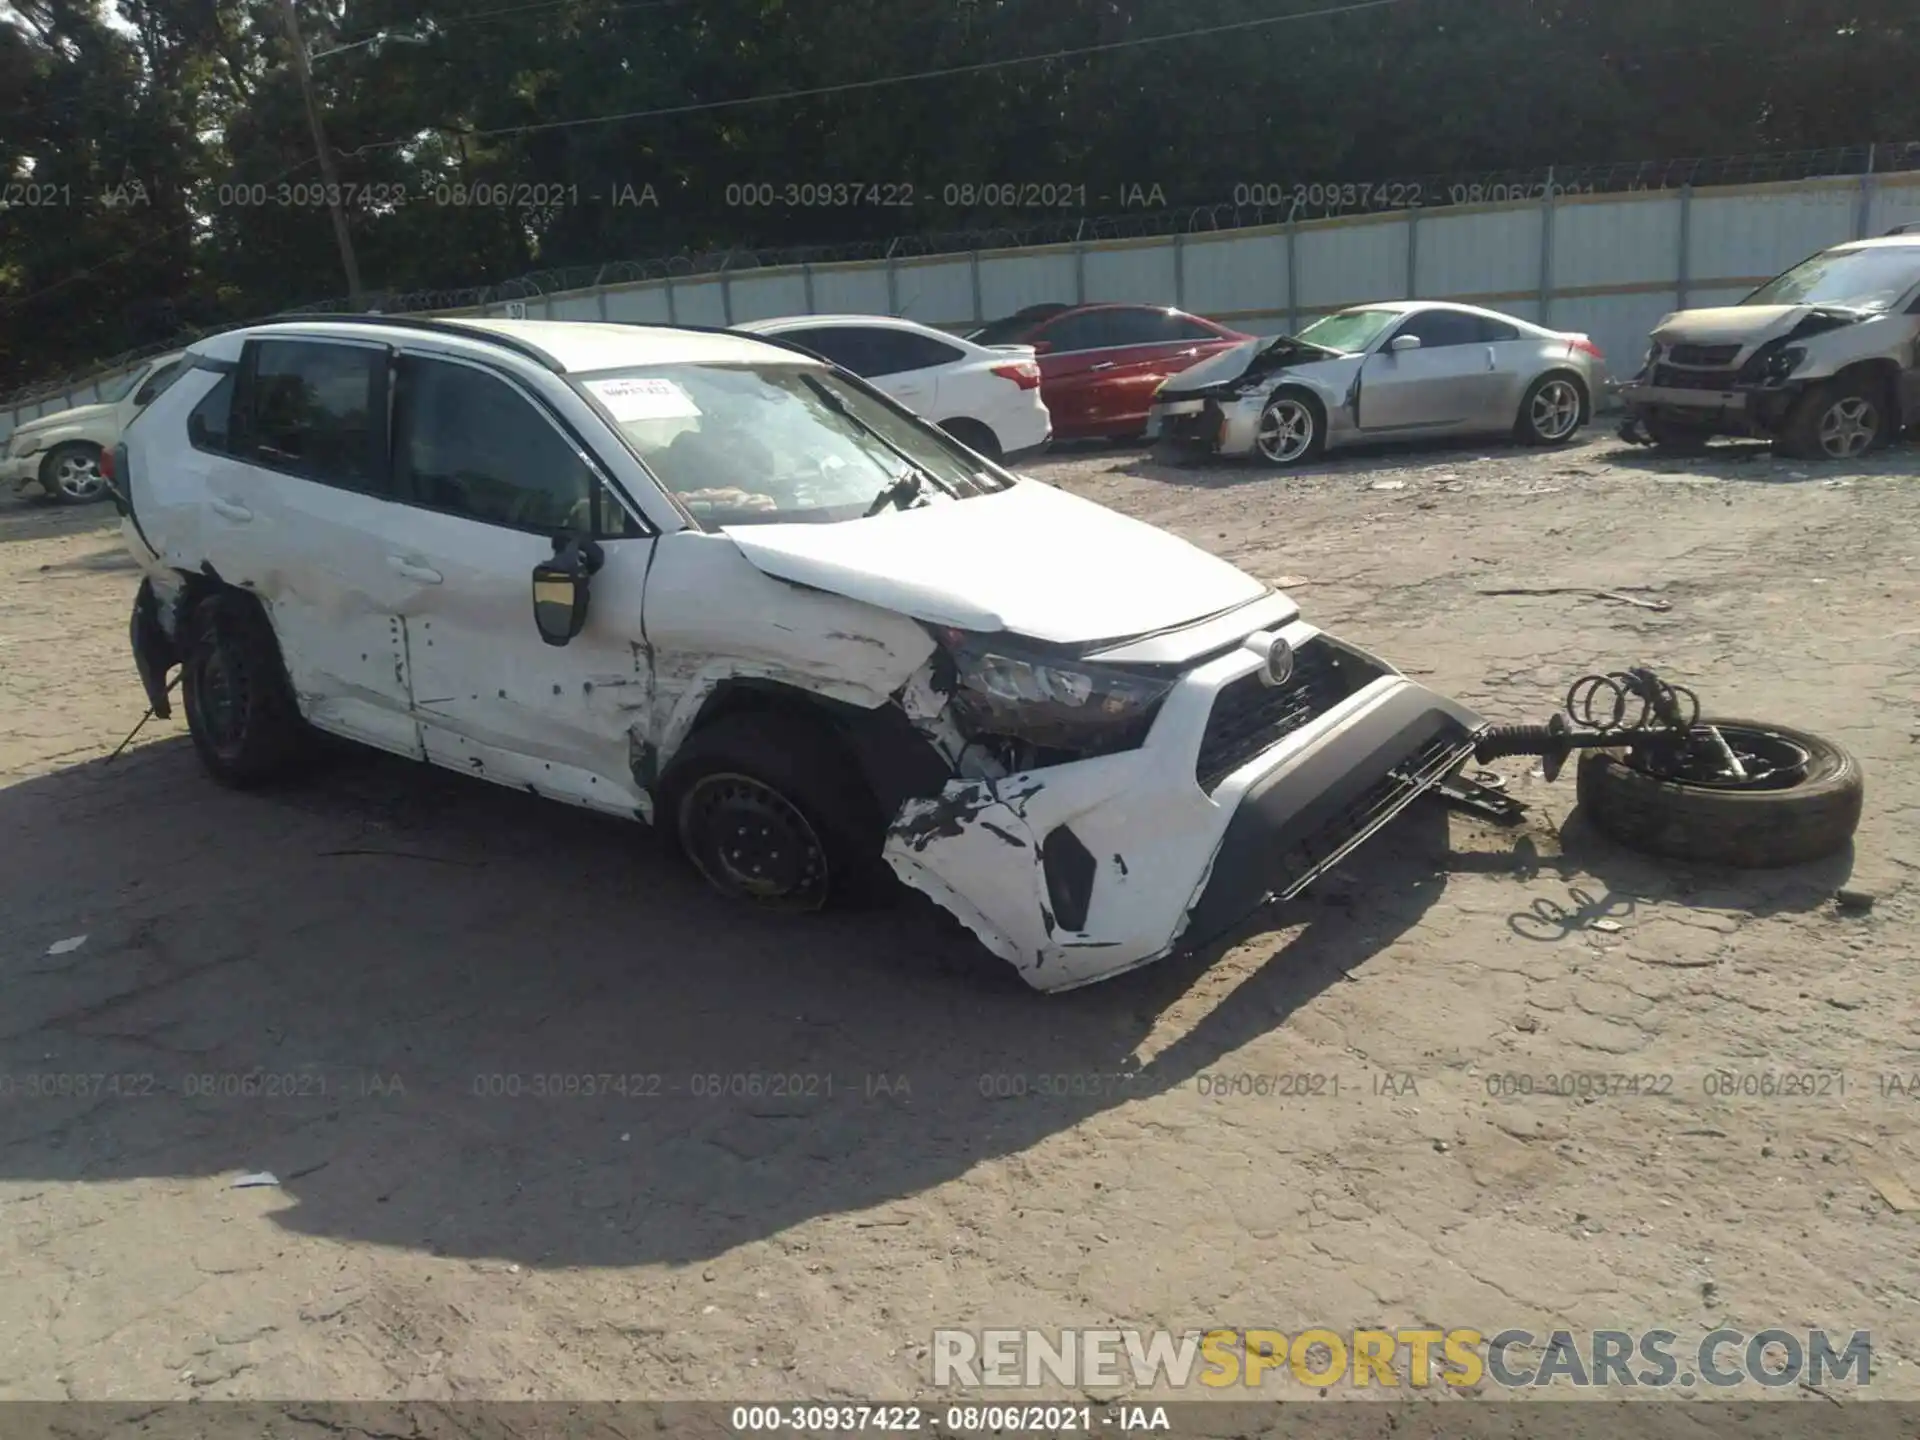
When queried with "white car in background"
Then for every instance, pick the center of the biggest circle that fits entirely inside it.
(986, 397)
(61, 452)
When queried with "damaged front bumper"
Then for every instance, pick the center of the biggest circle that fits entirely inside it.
(1242, 794)
(1207, 424)
(1725, 408)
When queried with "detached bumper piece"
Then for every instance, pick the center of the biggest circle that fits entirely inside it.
(1294, 827)
(153, 652)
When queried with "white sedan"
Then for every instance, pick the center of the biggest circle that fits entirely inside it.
(986, 397)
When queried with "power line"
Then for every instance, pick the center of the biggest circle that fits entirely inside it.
(975, 68)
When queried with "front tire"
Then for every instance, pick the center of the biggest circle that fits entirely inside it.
(240, 706)
(1840, 420)
(773, 811)
(71, 474)
(1552, 411)
(1292, 430)
(1756, 829)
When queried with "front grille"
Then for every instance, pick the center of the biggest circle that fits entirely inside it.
(1249, 716)
(1202, 427)
(1704, 357)
(1372, 808)
(1668, 378)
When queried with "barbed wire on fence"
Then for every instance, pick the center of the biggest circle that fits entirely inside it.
(1250, 204)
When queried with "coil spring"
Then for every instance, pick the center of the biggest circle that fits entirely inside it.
(1605, 704)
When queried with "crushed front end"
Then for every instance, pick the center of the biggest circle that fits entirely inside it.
(1149, 808)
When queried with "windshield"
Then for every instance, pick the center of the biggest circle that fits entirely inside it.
(1350, 332)
(118, 390)
(780, 443)
(1859, 279)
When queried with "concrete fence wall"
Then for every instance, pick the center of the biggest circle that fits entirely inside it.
(1609, 265)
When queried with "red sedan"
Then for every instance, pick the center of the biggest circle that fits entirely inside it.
(1100, 364)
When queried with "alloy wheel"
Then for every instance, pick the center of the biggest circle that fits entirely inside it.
(1849, 427)
(77, 476)
(1556, 410)
(1286, 431)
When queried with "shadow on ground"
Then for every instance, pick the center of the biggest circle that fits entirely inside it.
(459, 1019)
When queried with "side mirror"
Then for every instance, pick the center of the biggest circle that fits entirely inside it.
(561, 587)
(1403, 343)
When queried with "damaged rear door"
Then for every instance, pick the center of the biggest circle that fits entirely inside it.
(486, 477)
(298, 500)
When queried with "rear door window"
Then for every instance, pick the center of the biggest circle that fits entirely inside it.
(1088, 330)
(895, 352)
(842, 344)
(310, 408)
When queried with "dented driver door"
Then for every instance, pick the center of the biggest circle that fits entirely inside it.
(486, 478)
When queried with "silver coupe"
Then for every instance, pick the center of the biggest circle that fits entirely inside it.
(1394, 371)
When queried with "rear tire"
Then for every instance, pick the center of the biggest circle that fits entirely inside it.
(1553, 410)
(1842, 419)
(976, 436)
(1751, 829)
(772, 811)
(241, 710)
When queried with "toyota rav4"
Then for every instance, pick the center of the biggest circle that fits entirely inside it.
(713, 583)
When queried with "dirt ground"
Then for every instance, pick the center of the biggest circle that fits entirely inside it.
(397, 957)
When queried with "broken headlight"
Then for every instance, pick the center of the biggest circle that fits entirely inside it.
(1773, 363)
(1023, 692)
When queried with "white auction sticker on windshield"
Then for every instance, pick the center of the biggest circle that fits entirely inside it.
(644, 399)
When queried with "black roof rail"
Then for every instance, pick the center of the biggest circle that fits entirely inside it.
(1909, 229)
(432, 326)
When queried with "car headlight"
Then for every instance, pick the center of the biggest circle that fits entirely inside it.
(1019, 691)
(1783, 363)
(1773, 363)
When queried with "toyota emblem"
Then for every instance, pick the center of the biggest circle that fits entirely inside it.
(1279, 666)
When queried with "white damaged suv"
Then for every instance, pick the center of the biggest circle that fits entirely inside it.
(712, 582)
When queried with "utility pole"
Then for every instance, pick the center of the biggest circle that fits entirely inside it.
(328, 175)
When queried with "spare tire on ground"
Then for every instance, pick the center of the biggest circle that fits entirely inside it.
(1803, 804)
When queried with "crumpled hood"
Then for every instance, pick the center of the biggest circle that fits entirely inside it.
(1220, 369)
(1031, 559)
(76, 414)
(1733, 324)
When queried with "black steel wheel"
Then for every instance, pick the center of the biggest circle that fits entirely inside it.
(241, 711)
(1799, 798)
(752, 843)
(773, 811)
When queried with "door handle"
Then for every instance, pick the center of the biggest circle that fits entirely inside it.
(1103, 365)
(227, 510)
(405, 567)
